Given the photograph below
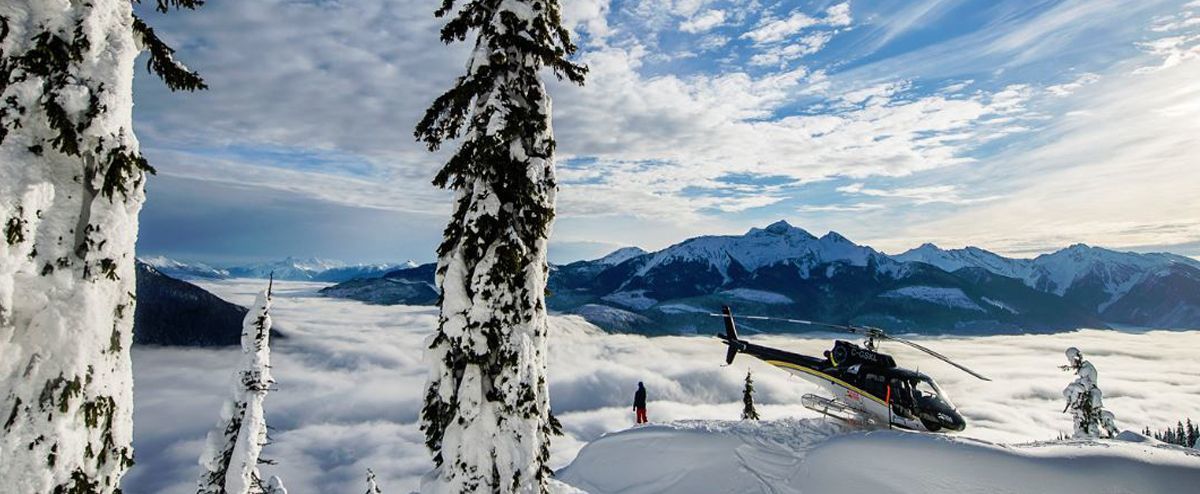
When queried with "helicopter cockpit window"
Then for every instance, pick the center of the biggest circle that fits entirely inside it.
(924, 388)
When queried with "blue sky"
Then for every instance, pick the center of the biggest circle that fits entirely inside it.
(1017, 126)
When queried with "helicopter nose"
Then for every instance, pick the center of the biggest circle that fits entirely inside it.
(957, 422)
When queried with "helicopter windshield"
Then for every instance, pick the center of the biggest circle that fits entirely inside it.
(926, 387)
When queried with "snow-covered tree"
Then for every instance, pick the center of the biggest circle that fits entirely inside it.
(275, 486)
(486, 417)
(231, 455)
(372, 486)
(71, 187)
(748, 410)
(1085, 401)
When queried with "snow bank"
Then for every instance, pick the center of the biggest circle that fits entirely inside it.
(949, 297)
(816, 456)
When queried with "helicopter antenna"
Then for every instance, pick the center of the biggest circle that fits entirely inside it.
(873, 336)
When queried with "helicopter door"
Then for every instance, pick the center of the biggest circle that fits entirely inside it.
(902, 398)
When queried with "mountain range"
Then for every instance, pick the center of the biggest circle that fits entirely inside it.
(175, 312)
(782, 270)
(290, 268)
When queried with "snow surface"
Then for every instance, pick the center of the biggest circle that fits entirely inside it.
(1001, 305)
(350, 386)
(761, 296)
(634, 299)
(949, 297)
(816, 456)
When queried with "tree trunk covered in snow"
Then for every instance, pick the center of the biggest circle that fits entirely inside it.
(71, 186)
(230, 457)
(487, 416)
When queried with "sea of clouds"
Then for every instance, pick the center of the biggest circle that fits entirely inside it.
(350, 380)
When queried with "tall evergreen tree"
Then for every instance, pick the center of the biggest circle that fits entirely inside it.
(71, 187)
(231, 456)
(1192, 433)
(486, 417)
(748, 410)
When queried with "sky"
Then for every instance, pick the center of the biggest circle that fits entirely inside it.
(1017, 126)
(350, 380)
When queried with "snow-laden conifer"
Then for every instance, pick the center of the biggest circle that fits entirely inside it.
(275, 486)
(71, 186)
(486, 417)
(748, 410)
(1085, 401)
(372, 486)
(231, 455)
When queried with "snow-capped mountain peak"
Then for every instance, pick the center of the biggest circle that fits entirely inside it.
(178, 269)
(620, 255)
(778, 243)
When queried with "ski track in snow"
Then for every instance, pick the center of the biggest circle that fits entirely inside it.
(350, 378)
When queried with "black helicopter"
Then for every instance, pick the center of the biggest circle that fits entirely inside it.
(867, 386)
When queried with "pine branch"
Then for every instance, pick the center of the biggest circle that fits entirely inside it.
(162, 60)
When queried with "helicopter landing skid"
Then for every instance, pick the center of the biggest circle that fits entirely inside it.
(836, 410)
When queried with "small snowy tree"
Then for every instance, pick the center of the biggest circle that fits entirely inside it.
(71, 187)
(231, 455)
(748, 410)
(372, 486)
(275, 486)
(1085, 400)
(486, 416)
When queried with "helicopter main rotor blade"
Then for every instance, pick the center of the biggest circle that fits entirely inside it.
(851, 329)
(937, 355)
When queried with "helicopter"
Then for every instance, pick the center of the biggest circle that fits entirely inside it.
(867, 387)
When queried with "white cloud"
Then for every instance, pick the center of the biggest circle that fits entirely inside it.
(1116, 170)
(1070, 87)
(946, 194)
(778, 55)
(703, 22)
(776, 30)
(350, 380)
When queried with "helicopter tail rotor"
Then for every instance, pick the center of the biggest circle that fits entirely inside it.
(730, 336)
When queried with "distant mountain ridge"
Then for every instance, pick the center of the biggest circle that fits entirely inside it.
(290, 269)
(785, 271)
(174, 312)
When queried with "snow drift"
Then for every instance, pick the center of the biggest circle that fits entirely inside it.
(817, 456)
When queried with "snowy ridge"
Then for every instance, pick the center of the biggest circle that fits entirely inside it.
(621, 255)
(760, 247)
(1058, 272)
(290, 268)
(814, 455)
(949, 297)
(177, 269)
(954, 259)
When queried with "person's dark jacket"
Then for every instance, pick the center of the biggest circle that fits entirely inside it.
(639, 398)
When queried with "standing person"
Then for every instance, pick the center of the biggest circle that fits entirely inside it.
(639, 403)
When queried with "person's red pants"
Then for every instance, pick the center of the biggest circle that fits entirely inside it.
(641, 416)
